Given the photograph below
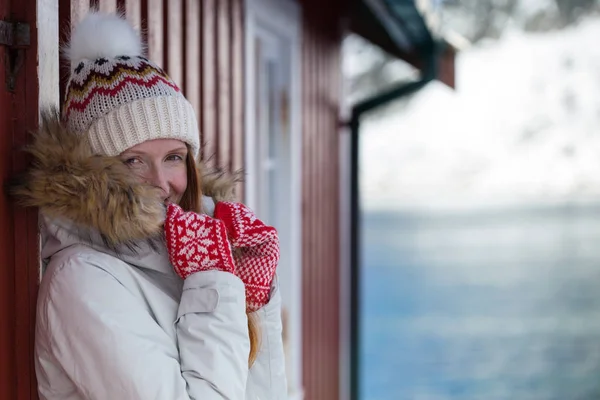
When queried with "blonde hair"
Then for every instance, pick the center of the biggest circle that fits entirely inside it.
(192, 201)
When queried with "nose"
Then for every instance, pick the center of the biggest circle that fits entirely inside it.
(157, 178)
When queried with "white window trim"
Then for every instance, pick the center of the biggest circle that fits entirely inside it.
(283, 17)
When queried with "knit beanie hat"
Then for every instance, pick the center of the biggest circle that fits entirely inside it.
(117, 96)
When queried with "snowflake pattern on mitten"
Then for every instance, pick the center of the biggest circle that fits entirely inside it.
(196, 242)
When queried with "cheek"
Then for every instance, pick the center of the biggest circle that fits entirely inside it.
(178, 181)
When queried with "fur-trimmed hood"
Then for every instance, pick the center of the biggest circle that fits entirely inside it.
(95, 200)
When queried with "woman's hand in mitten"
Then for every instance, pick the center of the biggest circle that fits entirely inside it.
(256, 251)
(196, 242)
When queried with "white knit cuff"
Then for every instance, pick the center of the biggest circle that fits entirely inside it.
(164, 117)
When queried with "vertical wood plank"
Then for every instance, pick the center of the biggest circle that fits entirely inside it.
(65, 22)
(223, 83)
(108, 6)
(320, 304)
(330, 211)
(237, 93)
(78, 10)
(7, 270)
(317, 149)
(173, 48)
(144, 15)
(208, 82)
(24, 116)
(316, 243)
(336, 99)
(326, 218)
(192, 71)
(320, 176)
(307, 336)
(152, 26)
(306, 256)
(256, 58)
(132, 10)
(309, 311)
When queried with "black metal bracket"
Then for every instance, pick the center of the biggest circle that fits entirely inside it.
(16, 36)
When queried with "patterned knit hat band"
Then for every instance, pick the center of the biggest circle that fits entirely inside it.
(118, 97)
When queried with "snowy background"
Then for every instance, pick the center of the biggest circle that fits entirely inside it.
(521, 126)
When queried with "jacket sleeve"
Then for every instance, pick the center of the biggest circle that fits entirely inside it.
(267, 379)
(111, 348)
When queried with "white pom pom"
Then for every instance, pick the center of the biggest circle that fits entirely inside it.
(103, 35)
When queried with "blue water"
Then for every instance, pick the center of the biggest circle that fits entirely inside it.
(486, 306)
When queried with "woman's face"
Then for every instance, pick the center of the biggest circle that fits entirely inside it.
(160, 163)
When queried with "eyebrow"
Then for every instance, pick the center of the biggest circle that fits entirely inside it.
(183, 148)
(175, 150)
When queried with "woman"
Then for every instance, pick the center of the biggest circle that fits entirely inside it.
(143, 295)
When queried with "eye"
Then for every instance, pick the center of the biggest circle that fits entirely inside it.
(175, 157)
(132, 161)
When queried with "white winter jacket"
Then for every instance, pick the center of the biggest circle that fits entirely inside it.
(113, 319)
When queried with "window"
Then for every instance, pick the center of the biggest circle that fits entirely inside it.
(273, 151)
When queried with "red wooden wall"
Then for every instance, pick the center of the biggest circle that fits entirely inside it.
(200, 44)
(321, 62)
(19, 264)
(7, 272)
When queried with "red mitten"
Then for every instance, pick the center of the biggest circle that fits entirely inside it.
(196, 242)
(257, 252)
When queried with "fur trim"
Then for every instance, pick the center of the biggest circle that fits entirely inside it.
(219, 184)
(67, 181)
(101, 35)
